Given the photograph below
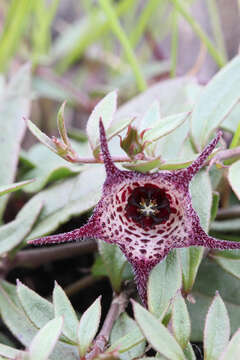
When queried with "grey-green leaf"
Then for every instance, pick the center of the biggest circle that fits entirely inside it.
(216, 102)
(164, 281)
(14, 187)
(88, 326)
(14, 104)
(157, 334)
(216, 330)
(165, 126)
(122, 326)
(114, 261)
(14, 232)
(181, 320)
(10, 352)
(66, 199)
(232, 350)
(105, 110)
(38, 309)
(233, 177)
(45, 340)
(63, 307)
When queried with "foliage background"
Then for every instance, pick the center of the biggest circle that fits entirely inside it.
(52, 51)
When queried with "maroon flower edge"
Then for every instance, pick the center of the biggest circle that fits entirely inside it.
(146, 215)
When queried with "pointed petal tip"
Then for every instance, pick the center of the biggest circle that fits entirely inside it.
(110, 167)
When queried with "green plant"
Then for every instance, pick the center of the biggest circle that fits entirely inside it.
(180, 288)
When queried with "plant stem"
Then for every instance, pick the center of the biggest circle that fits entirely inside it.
(183, 10)
(118, 305)
(122, 37)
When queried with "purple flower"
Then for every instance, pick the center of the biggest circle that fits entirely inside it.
(146, 215)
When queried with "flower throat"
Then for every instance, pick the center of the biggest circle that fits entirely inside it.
(148, 206)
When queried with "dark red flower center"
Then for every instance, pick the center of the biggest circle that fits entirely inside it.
(148, 206)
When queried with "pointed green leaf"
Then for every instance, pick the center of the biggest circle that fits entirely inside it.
(43, 138)
(181, 321)
(157, 334)
(61, 124)
(215, 102)
(105, 110)
(127, 342)
(14, 187)
(216, 330)
(164, 281)
(165, 126)
(63, 307)
(69, 198)
(88, 326)
(232, 350)
(114, 261)
(14, 232)
(232, 266)
(38, 309)
(233, 177)
(16, 319)
(14, 104)
(43, 343)
(191, 258)
(10, 352)
(188, 352)
(122, 326)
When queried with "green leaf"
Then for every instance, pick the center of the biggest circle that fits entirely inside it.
(164, 281)
(216, 330)
(15, 319)
(181, 321)
(232, 350)
(43, 138)
(127, 342)
(14, 232)
(45, 340)
(232, 266)
(233, 177)
(231, 225)
(165, 126)
(10, 352)
(38, 309)
(215, 205)
(122, 326)
(61, 124)
(188, 352)
(63, 307)
(49, 168)
(22, 328)
(143, 166)
(14, 187)
(114, 261)
(156, 334)
(67, 199)
(14, 104)
(151, 117)
(88, 326)
(216, 102)
(105, 110)
(191, 257)
(211, 277)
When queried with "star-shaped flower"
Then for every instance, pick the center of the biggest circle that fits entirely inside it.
(146, 215)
